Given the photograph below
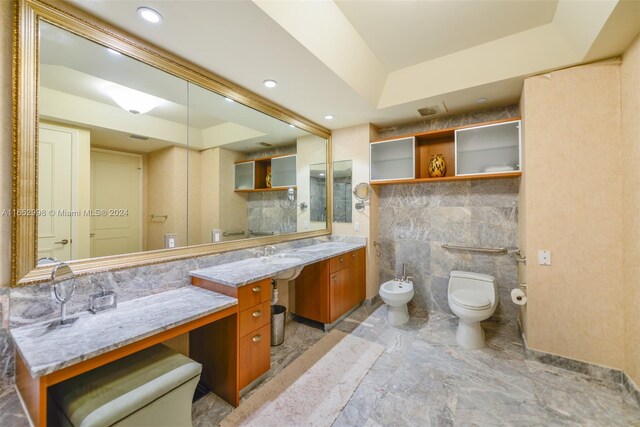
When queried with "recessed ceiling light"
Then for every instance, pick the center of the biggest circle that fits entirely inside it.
(150, 15)
(113, 52)
(328, 117)
(481, 100)
(270, 83)
(229, 100)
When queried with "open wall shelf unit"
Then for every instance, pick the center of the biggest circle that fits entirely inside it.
(481, 151)
(251, 175)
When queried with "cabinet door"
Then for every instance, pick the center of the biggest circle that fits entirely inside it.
(358, 275)
(393, 160)
(312, 293)
(245, 176)
(488, 149)
(255, 354)
(339, 293)
(283, 171)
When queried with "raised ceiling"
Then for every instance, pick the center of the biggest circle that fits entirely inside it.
(405, 33)
(379, 61)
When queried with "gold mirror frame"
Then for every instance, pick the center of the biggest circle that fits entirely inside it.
(27, 15)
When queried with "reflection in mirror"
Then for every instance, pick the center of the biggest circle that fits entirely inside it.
(132, 158)
(342, 191)
(318, 178)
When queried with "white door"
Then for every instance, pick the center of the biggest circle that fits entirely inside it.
(54, 192)
(116, 187)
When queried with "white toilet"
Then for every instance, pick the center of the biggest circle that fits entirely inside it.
(396, 294)
(473, 297)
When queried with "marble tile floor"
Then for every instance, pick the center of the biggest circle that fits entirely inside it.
(425, 379)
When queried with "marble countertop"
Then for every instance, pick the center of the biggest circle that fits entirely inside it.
(46, 350)
(240, 273)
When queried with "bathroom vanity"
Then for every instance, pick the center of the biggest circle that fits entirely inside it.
(331, 285)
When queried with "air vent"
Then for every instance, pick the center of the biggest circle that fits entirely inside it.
(140, 137)
(432, 110)
(265, 144)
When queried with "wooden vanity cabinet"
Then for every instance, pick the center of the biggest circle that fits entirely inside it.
(328, 289)
(254, 329)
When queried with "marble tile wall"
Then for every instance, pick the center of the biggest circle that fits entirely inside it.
(495, 113)
(415, 219)
(271, 212)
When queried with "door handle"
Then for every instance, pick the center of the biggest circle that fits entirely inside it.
(62, 242)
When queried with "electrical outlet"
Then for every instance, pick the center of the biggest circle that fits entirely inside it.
(544, 257)
(356, 226)
(170, 241)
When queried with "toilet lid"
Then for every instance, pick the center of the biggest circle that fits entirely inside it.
(470, 298)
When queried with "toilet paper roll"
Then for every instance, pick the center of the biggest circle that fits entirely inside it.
(518, 296)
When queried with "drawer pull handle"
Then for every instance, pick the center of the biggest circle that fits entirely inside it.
(341, 259)
(334, 278)
(256, 289)
(257, 313)
(257, 338)
(353, 255)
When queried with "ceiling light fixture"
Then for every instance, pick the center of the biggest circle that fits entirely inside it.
(291, 126)
(133, 101)
(481, 100)
(270, 83)
(328, 117)
(113, 52)
(229, 100)
(150, 15)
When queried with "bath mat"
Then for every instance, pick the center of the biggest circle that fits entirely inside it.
(313, 389)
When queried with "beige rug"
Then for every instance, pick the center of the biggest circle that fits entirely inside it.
(313, 389)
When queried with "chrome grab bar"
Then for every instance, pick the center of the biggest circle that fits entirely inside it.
(261, 233)
(500, 250)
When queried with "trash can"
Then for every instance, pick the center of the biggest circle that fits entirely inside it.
(278, 314)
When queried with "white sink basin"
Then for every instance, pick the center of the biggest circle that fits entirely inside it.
(289, 274)
(278, 260)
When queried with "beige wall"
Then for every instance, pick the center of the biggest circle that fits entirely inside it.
(5, 141)
(221, 207)
(352, 143)
(572, 203)
(630, 122)
(167, 181)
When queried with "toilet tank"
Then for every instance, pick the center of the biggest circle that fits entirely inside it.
(470, 280)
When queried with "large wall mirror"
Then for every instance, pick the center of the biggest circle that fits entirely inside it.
(131, 158)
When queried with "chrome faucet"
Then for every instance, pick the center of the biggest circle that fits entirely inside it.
(269, 248)
(404, 277)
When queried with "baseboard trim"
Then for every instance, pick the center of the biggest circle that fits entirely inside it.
(598, 372)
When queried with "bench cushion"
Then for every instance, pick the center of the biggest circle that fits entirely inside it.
(108, 394)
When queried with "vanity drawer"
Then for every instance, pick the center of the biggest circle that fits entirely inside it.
(254, 317)
(339, 262)
(253, 294)
(255, 355)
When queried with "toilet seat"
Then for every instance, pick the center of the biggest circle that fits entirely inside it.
(470, 299)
